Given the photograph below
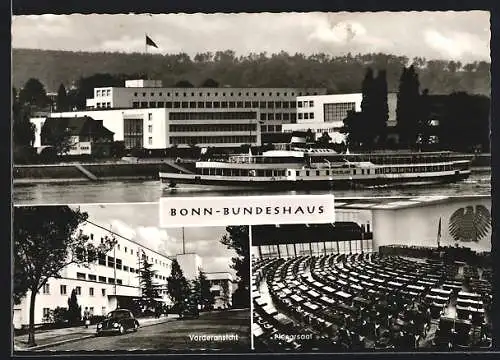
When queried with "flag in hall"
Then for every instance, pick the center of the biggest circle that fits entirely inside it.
(150, 42)
(439, 232)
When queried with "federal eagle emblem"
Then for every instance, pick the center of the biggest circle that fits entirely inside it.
(467, 225)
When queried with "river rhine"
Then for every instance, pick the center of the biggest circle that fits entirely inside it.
(150, 191)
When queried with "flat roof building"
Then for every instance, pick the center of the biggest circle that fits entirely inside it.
(113, 280)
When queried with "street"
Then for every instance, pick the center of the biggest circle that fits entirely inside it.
(178, 335)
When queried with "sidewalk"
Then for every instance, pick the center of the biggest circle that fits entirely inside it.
(49, 338)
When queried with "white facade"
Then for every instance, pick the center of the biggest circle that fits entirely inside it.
(101, 285)
(219, 283)
(276, 106)
(160, 128)
(326, 108)
(324, 113)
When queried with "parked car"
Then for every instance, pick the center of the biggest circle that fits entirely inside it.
(118, 322)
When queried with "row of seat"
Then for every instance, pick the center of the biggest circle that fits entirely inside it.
(330, 294)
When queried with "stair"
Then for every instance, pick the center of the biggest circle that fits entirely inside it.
(86, 172)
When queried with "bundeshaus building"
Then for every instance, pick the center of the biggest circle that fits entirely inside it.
(113, 280)
(147, 115)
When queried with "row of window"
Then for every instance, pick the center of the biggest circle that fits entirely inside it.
(270, 128)
(211, 127)
(82, 276)
(63, 289)
(318, 131)
(112, 263)
(278, 116)
(242, 172)
(337, 111)
(189, 140)
(385, 170)
(47, 313)
(305, 104)
(184, 94)
(305, 116)
(242, 115)
(126, 250)
(315, 248)
(103, 92)
(210, 104)
(103, 105)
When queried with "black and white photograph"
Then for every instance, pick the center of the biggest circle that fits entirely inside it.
(101, 277)
(119, 121)
(131, 107)
(410, 274)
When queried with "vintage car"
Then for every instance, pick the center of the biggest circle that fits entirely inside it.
(118, 321)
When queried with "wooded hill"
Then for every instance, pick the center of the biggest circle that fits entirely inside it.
(339, 74)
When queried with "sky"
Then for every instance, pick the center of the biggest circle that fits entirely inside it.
(139, 222)
(460, 36)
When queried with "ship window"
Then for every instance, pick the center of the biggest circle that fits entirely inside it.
(368, 171)
(362, 171)
(289, 173)
(297, 173)
(317, 172)
(354, 171)
(328, 172)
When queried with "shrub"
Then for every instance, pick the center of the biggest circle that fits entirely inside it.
(60, 316)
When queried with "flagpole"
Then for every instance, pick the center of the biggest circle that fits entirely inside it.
(146, 52)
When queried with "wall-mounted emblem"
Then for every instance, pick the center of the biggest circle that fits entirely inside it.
(470, 224)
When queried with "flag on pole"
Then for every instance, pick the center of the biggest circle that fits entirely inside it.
(150, 42)
(439, 233)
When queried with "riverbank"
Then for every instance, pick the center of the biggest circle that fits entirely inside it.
(81, 172)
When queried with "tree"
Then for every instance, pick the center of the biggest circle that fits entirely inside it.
(459, 108)
(340, 74)
(22, 128)
(374, 108)
(62, 103)
(205, 297)
(33, 93)
(210, 83)
(178, 287)
(57, 135)
(407, 111)
(236, 238)
(310, 136)
(74, 314)
(149, 290)
(381, 108)
(368, 108)
(424, 125)
(46, 241)
(225, 294)
(354, 129)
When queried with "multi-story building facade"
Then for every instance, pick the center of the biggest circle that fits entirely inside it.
(222, 286)
(146, 114)
(112, 281)
(324, 113)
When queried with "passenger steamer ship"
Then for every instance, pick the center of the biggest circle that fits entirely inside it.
(297, 168)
